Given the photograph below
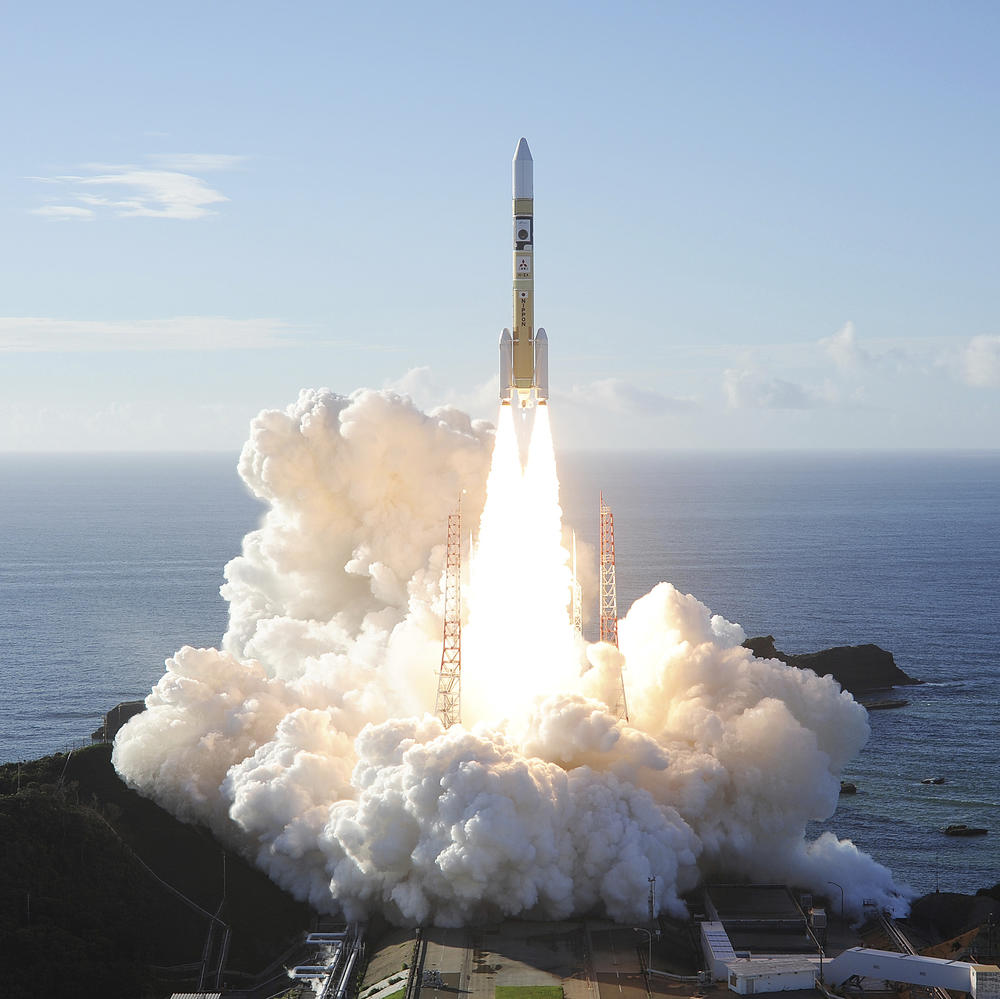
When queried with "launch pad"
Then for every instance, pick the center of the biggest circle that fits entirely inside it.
(577, 959)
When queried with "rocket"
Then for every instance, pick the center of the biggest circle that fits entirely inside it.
(524, 353)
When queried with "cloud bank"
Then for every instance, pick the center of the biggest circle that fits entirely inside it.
(981, 361)
(750, 389)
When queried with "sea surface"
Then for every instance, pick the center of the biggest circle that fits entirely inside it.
(109, 563)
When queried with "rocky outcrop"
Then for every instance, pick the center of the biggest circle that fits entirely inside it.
(859, 669)
(116, 718)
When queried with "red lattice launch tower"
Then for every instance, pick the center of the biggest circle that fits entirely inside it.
(448, 706)
(609, 598)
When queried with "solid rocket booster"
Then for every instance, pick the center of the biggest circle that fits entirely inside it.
(524, 353)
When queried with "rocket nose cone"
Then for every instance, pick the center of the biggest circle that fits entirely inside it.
(523, 169)
(505, 337)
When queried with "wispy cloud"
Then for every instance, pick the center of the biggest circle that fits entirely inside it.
(38, 335)
(169, 188)
(197, 162)
(163, 194)
(64, 213)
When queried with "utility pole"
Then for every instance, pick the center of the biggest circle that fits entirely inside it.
(649, 960)
(835, 885)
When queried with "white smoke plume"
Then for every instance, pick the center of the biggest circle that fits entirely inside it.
(309, 740)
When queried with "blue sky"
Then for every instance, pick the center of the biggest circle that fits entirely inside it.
(757, 224)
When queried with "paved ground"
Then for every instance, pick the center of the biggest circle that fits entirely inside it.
(447, 952)
(615, 959)
(590, 960)
(516, 953)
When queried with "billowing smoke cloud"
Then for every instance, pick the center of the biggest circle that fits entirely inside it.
(309, 740)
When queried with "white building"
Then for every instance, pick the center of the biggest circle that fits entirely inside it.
(981, 981)
(718, 950)
(748, 976)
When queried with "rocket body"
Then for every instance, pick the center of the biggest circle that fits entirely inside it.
(521, 348)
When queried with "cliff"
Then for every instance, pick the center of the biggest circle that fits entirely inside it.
(106, 894)
(859, 669)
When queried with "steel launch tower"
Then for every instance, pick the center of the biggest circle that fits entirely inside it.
(577, 595)
(609, 599)
(448, 706)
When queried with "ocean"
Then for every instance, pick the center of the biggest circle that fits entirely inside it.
(109, 563)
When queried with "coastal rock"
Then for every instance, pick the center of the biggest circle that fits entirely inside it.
(116, 718)
(859, 669)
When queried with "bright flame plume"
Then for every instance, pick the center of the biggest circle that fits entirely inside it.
(518, 643)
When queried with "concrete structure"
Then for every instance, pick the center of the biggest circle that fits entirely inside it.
(756, 906)
(718, 950)
(749, 977)
(760, 919)
(985, 981)
(471, 962)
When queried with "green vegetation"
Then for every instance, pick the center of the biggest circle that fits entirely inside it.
(529, 992)
(84, 911)
(391, 995)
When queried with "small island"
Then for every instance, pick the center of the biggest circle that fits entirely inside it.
(859, 669)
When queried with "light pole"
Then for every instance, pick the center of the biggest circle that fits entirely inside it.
(649, 962)
(835, 885)
(819, 947)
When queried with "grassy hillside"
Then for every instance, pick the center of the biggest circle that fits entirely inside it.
(85, 910)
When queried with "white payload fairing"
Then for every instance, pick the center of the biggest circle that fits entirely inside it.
(524, 353)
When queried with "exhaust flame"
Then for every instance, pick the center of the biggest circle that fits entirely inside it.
(307, 741)
(518, 644)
